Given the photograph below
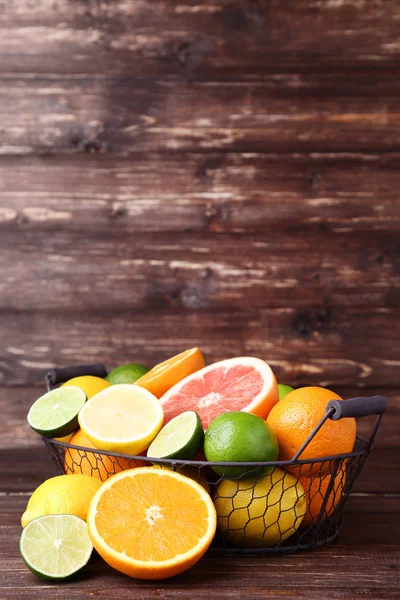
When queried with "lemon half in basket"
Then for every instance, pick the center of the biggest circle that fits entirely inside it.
(123, 418)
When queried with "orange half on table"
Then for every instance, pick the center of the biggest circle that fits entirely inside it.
(151, 523)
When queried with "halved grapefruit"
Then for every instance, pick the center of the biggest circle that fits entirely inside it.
(245, 383)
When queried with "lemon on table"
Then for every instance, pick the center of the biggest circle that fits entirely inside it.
(62, 494)
(55, 414)
(240, 437)
(90, 384)
(181, 438)
(123, 418)
(129, 373)
(255, 514)
(284, 390)
(56, 546)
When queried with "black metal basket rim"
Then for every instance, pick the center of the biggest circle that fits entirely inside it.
(281, 548)
(198, 463)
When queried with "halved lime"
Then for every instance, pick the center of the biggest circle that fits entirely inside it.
(55, 414)
(55, 546)
(181, 438)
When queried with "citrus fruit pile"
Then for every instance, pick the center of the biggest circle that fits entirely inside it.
(123, 436)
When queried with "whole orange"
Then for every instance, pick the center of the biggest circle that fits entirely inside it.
(94, 463)
(315, 489)
(296, 416)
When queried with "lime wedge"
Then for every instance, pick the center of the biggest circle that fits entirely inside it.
(55, 414)
(55, 546)
(181, 438)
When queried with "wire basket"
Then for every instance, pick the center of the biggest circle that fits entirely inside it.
(271, 507)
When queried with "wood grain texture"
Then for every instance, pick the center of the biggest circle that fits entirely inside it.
(216, 39)
(364, 561)
(182, 231)
(280, 113)
(303, 347)
(190, 192)
(210, 272)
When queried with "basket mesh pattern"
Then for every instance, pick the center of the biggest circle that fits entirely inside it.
(270, 508)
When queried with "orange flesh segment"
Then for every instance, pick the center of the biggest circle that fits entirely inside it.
(152, 519)
(166, 374)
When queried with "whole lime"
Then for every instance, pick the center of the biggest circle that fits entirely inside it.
(240, 437)
(127, 373)
(284, 390)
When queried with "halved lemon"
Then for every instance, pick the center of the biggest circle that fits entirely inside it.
(122, 418)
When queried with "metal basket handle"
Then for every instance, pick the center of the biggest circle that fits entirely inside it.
(357, 407)
(353, 407)
(55, 376)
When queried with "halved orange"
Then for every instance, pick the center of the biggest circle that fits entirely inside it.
(166, 374)
(151, 523)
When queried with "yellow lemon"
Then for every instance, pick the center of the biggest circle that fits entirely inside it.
(124, 418)
(89, 384)
(62, 494)
(255, 514)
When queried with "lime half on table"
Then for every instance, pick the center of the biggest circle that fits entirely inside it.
(55, 546)
(55, 414)
(181, 438)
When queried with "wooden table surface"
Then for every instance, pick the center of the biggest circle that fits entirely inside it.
(223, 174)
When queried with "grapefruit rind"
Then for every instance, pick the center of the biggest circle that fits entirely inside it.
(260, 405)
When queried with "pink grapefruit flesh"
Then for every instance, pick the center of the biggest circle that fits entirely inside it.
(244, 383)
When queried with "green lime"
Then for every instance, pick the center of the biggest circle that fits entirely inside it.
(284, 390)
(55, 414)
(127, 373)
(55, 546)
(240, 437)
(181, 438)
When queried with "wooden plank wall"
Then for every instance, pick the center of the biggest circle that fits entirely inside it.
(221, 173)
